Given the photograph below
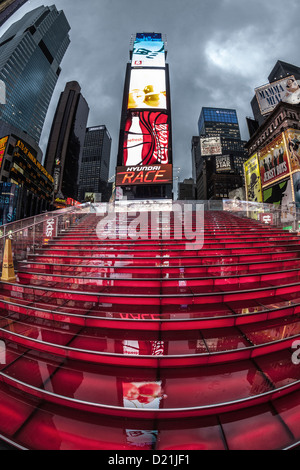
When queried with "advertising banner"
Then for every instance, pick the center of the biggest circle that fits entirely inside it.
(252, 179)
(147, 89)
(150, 174)
(280, 193)
(269, 95)
(148, 50)
(210, 146)
(296, 184)
(273, 161)
(293, 145)
(146, 139)
(223, 164)
(3, 143)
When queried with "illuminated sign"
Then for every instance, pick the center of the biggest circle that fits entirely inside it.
(293, 145)
(273, 161)
(150, 174)
(148, 51)
(29, 154)
(3, 143)
(223, 163)
(252, 179)
(269, 95)
(210, 145)
(146, 139)
(147, 89)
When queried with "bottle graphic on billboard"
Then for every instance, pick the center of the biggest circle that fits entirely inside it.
(135, 141)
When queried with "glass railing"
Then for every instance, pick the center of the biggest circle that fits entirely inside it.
(29, 234)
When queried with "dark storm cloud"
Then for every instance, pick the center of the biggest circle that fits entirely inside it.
(218, 52)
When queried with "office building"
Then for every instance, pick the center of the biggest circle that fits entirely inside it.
(218, 154)
(94, 170)
(219, 122)
(66, 141)
(31, 51)
(8, 8)
(25, 185)
(144, 162)
(186, 190)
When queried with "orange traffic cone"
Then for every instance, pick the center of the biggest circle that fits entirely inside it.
(8, 272)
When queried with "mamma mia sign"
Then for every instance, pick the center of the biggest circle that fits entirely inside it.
(268, 96)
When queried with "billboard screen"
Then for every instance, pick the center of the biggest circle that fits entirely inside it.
(273, 161)
(252, 179)
(149, 174)
(211, 146)
(3, 143)
(293, 145)
(269, 95)
(223, 163)
(148, 50)
(147, 89)
(280, 193)
(146, 139)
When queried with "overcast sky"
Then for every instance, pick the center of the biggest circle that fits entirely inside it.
(219, 51)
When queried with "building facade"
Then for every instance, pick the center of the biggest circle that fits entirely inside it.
(94, 169)
(25, 185)
(8, 8)
(144, 162)
(66, 141)
(31, 51)
(272, 172)
(218, 154)
(283, 85)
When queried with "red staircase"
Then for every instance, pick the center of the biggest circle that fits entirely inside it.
(146, 345)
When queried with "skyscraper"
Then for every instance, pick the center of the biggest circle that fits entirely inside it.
(31, 51)
(144, 163)
(218, 154)
(8, 8)
(94, 167)
(66, 140)
(219, 121)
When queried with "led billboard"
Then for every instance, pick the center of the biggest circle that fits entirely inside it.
(293, 145)
(252, 179)
(273, 161)
(3, 143)
(147, 89)
(146, 139)
(148, 50)
(148, 174)
(210, 146)
(269, 95)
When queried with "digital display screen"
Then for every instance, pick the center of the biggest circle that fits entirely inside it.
(147, 89)
(150, 174)
(148, 50)
(146, 139)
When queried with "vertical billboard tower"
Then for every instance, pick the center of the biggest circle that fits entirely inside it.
(144, 164)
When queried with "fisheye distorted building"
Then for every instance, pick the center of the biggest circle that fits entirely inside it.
(31, 51)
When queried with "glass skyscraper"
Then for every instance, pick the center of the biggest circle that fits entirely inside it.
(8, 8)
(31, 51)
(94, 168)
(219, 121)
(66, 140)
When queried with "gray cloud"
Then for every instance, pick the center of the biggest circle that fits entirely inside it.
(218, 52)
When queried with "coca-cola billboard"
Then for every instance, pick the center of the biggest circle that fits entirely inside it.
(146, 139)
